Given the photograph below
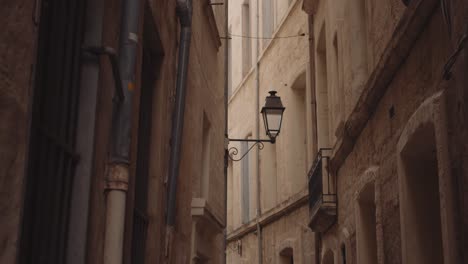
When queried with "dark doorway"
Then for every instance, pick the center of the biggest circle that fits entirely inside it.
(52, 158)
(421, 203)
(151, 60)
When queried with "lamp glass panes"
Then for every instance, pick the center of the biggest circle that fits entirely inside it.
(273, 115)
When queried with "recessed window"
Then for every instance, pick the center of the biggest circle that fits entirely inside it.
(366, 229)
(420, 200)
(287, 256)
(267, 20)
(246, 41)
(322, 91)
(343, 253)
(205, 177)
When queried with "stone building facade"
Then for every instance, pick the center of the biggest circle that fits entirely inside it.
(267, 189)
(389, 185)
(373, 148)
(57, 88)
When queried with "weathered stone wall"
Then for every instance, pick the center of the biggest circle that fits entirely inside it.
(289, 232)
(17, 59)
(204, 97)
(283, 166)
(374, 155)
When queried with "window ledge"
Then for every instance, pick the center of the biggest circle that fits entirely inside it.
(203, 213)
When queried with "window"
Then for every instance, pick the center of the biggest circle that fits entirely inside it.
(52, 153)
(246, 42)
(343, 253)
(328, 257)
(295, 135)
(267, 20)
(151, 60)
(287, 256)
(322, 91)
(230, 65)
(420, 200)
(245, 183)
(337, 87)
(366, 228)
(205, 177)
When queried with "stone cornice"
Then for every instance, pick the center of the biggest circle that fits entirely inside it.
(201, 209)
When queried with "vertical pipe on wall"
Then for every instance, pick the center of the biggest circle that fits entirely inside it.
(118, 170)
(313, 85)
(89, 86)
(184, 12)
(257, 131)
(226, 135)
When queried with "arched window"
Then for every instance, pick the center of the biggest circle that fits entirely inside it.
(287, 256)
(420, 200)
(366, 226)
(328, 257)
(343, 253)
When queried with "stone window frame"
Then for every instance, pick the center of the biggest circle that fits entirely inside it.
(286, 246)
(326, 251)
(432, 111)
(370, 176)
(345, 240)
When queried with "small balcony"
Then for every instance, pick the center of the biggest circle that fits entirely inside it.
(322, 194)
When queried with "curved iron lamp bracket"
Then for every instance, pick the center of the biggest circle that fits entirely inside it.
(233, 151)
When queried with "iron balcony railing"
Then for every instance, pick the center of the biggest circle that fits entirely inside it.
(322, 188)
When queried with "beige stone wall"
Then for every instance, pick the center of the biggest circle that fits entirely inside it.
(283, 166)
(282, 67)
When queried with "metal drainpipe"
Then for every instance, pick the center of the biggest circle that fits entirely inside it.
(118, 170)
(184, 12)
(257, 130)
(312, 84)
(226, 131)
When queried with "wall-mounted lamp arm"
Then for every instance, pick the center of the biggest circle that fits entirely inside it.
(233, 151)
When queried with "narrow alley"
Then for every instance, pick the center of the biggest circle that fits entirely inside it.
(234, 131)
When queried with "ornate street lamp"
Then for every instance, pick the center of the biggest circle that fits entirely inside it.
(272, 114)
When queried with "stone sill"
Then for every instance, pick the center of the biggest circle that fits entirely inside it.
(294, 202)
(202, 211)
